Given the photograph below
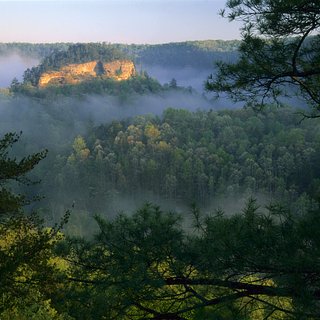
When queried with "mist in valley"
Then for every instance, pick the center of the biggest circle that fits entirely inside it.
(185, 77)
(13, 66)
(48, 124)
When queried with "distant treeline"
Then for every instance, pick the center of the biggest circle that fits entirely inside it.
(180, 54)
(196, 54)
(34, 50)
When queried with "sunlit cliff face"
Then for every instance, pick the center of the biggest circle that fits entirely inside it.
(75, 73)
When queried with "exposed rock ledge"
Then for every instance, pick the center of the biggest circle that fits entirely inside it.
(75, 73)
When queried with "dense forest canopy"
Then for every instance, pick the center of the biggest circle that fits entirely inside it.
(158, 265)
(184, 157)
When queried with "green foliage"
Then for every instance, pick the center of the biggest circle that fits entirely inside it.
(27, 269)
(186, 156)
(12, 170)
(279, 54)
(250, 265)
(194, 54)
(26, 247)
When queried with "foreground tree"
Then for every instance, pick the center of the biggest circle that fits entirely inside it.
(12, 171)
(279, 54)
(258, 264)
(28, 266)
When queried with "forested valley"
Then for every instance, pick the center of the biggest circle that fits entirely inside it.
(127, 196)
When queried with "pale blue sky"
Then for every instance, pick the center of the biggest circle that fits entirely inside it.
(125, 21)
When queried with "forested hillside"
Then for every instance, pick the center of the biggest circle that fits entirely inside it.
(186, 157)
(196, 54)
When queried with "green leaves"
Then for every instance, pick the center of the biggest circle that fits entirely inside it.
(151, 265)
(27, 270)
(12, 170)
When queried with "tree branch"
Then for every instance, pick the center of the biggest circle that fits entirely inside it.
(251, 289)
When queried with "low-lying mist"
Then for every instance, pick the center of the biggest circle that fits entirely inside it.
(185, 77)
(13, 66)
(48, 124)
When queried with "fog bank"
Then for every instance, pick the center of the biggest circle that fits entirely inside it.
(51, 124)
(185, 77)
(13, 66)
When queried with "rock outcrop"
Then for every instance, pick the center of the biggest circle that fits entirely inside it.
(75, 73)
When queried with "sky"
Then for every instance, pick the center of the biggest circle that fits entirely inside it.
(114, 21)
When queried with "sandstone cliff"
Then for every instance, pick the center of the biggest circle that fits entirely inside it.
(75, 73)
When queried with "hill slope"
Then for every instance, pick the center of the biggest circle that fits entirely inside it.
(78, 63)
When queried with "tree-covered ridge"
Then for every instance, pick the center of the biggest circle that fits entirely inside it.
(189, 157)
(197, 54)
(75, 54)
(82, 52)
(33, 50)
(42, 50)
(191, 54)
